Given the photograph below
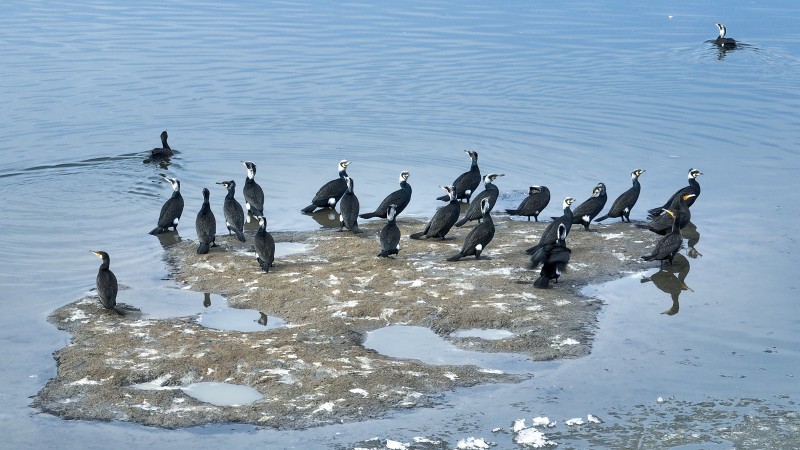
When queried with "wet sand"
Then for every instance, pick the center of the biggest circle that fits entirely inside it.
(316, 371)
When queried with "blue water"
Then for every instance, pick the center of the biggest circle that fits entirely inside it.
(560, 95)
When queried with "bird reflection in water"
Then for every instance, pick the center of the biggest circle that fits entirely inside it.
(672, 280)
(168, 239)
(692, 236)
(207, 299)
(327, 218)
(263, 319)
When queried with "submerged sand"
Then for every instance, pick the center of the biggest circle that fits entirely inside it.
(316, 371)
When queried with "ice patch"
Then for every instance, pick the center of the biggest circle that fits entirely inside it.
(78, 314)
(395, 445)
(531, 437)
(472, 443)
(542, 421)
(84, 381)
(325, 407)
(614, 235)
(574, 421)
(593, 419)
(360, 391)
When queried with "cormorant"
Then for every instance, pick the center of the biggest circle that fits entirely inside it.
(165, 151)
(107, 284)
(234, 215)
(537, 200)
(390, 234)
(663, 224)
(668, 246)
(722, 41)
(348, 207)
(467, 182)
(553, 257)
(399, 198)
(692, 188)
(590, 208)
(550, 233)
(623, 205)
(329, 194)
(480, 236)
(443, 219)
(489, 192)
(171, 210)
(206, 225)
(265, 245)
(253, 194)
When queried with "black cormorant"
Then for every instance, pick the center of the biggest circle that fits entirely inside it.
(553, 257)
(623, 205)
(265, 245)
(479, 237)
(721, 40)
(467, 182)
(399, 198)
(234, 214)
(171, 210)
(107, 284)
(348, 209)
(537, 200)
(253, 194)
(550, 234)
(443, 219)
(206, 225)
(590, 208)
(390, 234)
(667, 246)
(329, 194)
(489, 192)
(165, 151)
(663, 224)
(692, 188)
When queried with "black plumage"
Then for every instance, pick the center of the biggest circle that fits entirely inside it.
(348, 209)
(553, 257)
(234, 214)
(253, 194)
(489, 192)
(165, 151)
(205, 225)
(443, 219)
(663, 224)
(390, 234)
(106, 282)
(721, 41)
(590, 208)
(667, 246)
(623, 205)
(467, 182)
(329, 194)
(400, 198)
(171, 210)
(692, 188)
(537, 200)
(550, 234)
(265, 245)
(479, 237)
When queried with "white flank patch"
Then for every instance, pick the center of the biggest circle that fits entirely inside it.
(574, 421)
(478, 247)
(360, 391)
(326, 407)
(531, 437)
(471, 443)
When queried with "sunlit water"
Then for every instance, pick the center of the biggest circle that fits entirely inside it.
(564, 96)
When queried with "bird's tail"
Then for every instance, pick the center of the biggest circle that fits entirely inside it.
(533, 249)
(157, 230)
(355, 229)
(368, 215)
(239, 234)
(647, 257)
(417, 235)
(202, 249)
(309, 209)
(462, 222)
(455, 257)
(444, 198)
(541, 282)
(601, 218)
(118, 310)
(512, 212)
(264, 265)
(655, 212)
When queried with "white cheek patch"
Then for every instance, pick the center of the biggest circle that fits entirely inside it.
(479, 247)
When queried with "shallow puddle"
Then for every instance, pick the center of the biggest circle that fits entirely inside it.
(483, 333)
(223, 317)
(216, 393)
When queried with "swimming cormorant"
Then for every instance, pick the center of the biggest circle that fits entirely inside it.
(253, 194)
(553, 257)
(590, 208)
(399, 198)
(467, 182)
(692, 188)
(265, 245)
(206, 225)
(489, 192)
(107, 284)
(443, 219)
(348, 209)
(623, 205)
(663, 224)
(667, 246)
(722, 41)
(329, 194)
(537, 200)
(479, 237)
(390, 234)
(550, 233)
(165, 151)
(171, 210)
(234, 215)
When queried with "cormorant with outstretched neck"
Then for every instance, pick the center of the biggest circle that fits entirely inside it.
(667, 246)
(692, 188)
(329, 194)
(590, 208)
(265, 245)
(537, 200)
(489, 192)
(399, 198)
(234, 214)
(467, 182)
(550, 233)
(348, 207)
(663, 224)
(721, 40)
(390, 234)
(107, 284)
(623, 205)
(480, 236)
(253, 194)
(443, 219)
(553, 257)
(165, 151)
(205, 225)
(171, 210)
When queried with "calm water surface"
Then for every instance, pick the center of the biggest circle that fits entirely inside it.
(564, 96)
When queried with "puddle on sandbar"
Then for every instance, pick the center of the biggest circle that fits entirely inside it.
(291, 248)
(400, 341)
(216, 393)
(483, 333)
(223, 317)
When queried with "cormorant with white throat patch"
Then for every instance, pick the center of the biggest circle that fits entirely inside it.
(537, 200)
(329, 194)
(234, 214)
(550, 234)
(443, 219)
(623, 205)
(467, 182)
(390, 234)
(692, 188)
(590, 208)
(400, 198)
(348, 207)
(553, 257)
(722, 41)
(253, 194)
(171, 210)
(107, 284)
(479, 237)
(489, 192)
